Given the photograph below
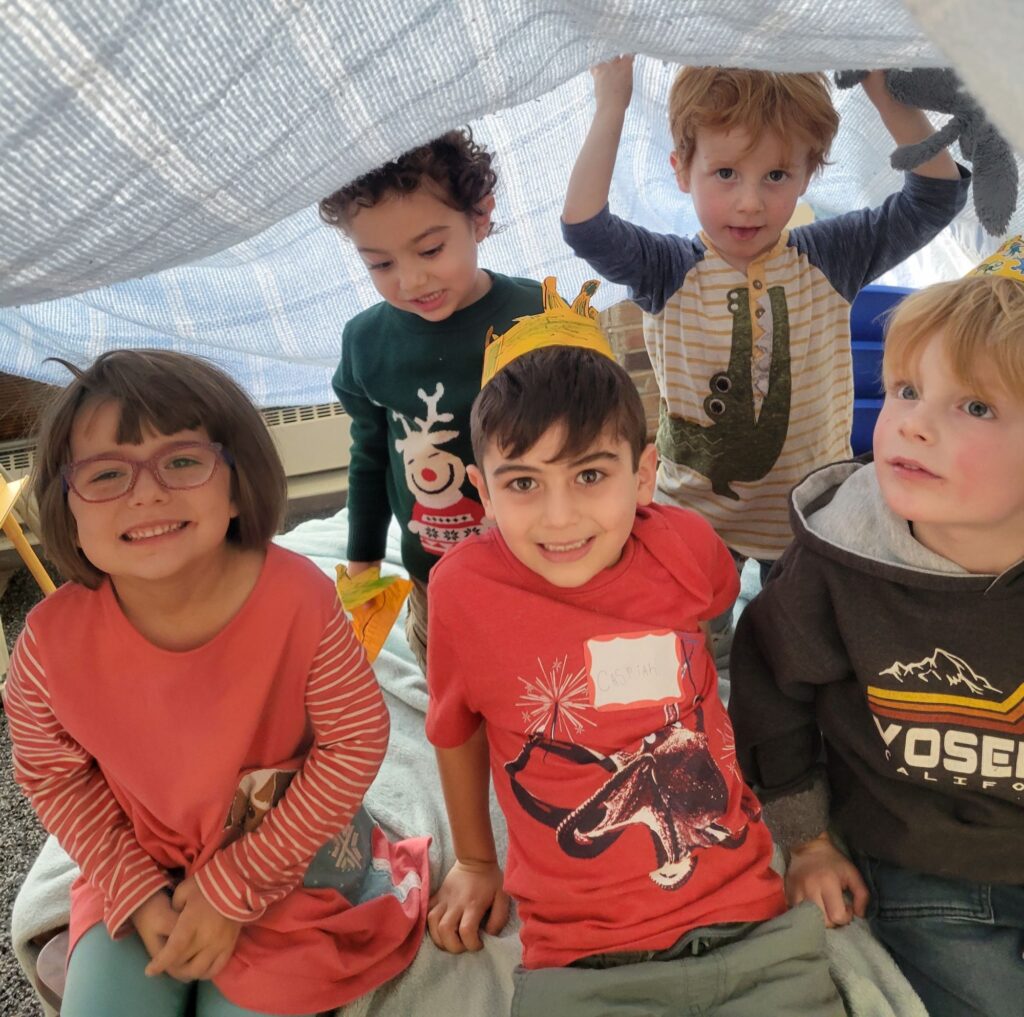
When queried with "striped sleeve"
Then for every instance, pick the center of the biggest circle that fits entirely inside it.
(70, 795)
(350, 735)
(652, 265)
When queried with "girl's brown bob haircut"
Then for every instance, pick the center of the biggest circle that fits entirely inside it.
(165, 392)
(725, 99)
(584, 391)
(979, 320)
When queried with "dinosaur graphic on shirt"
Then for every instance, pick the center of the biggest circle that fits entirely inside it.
(738, 445)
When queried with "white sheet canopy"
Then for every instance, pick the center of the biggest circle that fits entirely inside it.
(160, 160)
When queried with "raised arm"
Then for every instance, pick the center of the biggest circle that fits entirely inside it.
(652, 265)
(472, 889)
(908, 125)
(591, 177)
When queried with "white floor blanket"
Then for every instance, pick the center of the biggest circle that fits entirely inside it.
(438, 984)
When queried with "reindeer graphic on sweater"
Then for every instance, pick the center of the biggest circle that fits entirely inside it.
(442, 515)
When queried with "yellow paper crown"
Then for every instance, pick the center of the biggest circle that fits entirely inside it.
(1007, 261)
(559, 324)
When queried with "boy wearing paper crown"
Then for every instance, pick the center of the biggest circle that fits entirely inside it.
(890, 632)
(568, 660)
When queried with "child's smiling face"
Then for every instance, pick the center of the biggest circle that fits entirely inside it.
(421, 253)
(950, 460)
(566, 519)
(151, 533)
(743, 196)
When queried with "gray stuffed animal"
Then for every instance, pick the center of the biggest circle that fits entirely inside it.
(992, 160)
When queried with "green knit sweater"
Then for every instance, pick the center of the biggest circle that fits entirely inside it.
(408, 385)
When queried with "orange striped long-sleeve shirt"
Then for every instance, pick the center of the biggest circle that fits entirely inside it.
(133, 756)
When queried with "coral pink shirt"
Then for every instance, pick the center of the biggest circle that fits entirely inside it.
(133, 755)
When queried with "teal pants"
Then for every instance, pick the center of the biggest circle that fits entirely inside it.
(106, 979)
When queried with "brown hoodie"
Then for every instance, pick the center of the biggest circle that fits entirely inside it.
(880, 687)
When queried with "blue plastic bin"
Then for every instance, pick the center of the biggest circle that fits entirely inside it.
(867, 323)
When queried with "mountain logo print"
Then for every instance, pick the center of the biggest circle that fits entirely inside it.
(943, 669)
(943, 688)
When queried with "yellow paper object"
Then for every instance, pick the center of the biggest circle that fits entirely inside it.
(372, 601)
(1008, 261)
(560, 324)
(9, 493)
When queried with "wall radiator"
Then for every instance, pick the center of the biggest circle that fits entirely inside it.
(313, 442)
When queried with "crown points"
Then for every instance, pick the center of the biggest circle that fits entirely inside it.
(559, 324)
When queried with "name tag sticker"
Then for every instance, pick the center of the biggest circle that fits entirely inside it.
(635, 670)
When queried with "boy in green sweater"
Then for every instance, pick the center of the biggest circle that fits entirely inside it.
(411, 365)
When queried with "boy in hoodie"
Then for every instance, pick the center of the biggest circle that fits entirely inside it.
(890, 633)
(567, 659)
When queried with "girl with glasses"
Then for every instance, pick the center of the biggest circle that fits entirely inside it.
(193, 718)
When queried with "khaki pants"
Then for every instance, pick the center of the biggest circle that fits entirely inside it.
(416, 622)
(778, 968)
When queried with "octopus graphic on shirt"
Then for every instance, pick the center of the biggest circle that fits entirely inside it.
(442, 515)
(670, 781)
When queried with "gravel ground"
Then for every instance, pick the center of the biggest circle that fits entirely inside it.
(21, 836)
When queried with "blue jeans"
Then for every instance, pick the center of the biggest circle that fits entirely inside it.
(957, 942)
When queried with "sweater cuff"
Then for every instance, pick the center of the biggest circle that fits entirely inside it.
(117, 913)
(223, 885)
(368, 534)
(798, 817)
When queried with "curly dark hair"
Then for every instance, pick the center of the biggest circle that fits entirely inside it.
(459, 168)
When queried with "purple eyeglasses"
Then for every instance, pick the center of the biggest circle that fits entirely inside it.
(178, 466)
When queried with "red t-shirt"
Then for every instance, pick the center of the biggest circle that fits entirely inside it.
(611, 754)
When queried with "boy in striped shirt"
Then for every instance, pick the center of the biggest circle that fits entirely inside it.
(747, 323)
